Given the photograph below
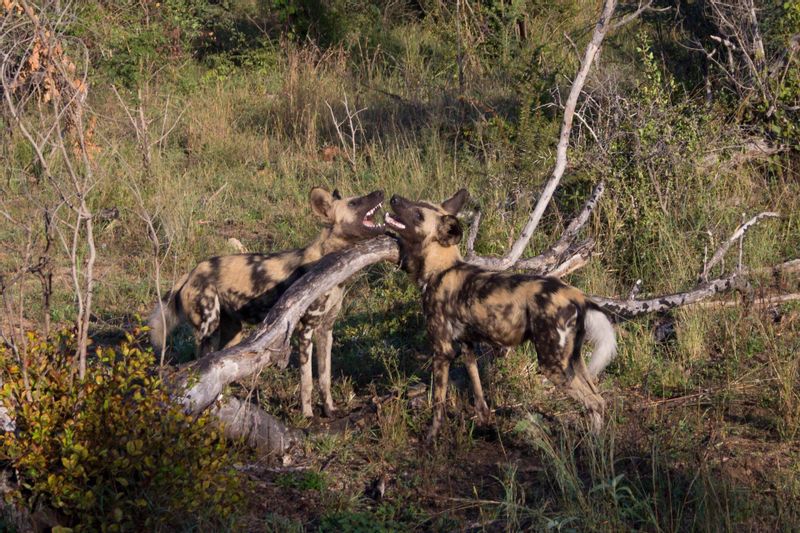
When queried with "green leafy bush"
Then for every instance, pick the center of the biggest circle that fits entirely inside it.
(113, 451)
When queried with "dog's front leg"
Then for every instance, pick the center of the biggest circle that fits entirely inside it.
(471, 362)
(323, 338)
(443, 355)
(305, 333)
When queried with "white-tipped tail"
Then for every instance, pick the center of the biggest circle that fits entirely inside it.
(600, 333)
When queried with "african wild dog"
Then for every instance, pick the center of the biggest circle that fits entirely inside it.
(222, 292)
(465, 304)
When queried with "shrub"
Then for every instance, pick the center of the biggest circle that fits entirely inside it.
(113, 451)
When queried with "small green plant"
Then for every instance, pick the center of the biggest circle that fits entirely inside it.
(113, 451)
(357, 522)
(309, 480)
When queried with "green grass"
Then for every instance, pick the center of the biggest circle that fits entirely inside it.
(703, 425)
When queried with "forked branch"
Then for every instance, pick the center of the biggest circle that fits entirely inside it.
(508, 261)
(737, 236)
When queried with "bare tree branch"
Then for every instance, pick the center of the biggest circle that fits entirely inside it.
(737, 235)
(473, 234)
(641, 8)
(626, 309)
(561, 151)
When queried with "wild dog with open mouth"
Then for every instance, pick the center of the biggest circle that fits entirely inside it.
(465, 304)
(223, 292)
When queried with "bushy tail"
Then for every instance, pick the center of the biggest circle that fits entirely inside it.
(600, 333)
(165, 316)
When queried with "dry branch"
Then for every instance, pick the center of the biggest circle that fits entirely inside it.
(625, 309)
(737, 235)
(765, 301)
(642, 7)
(506, 262)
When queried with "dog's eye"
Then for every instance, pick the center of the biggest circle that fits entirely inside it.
(420, 216)
(351, 203)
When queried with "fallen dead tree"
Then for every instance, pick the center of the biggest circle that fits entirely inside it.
(269, 345)
(203, 381)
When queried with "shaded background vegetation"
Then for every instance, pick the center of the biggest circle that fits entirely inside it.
(230, 126)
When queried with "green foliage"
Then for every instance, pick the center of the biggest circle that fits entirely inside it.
(357, 522)
(649, 174)
(309, 480)
(113, 451)
(780, 23)
(129, 40)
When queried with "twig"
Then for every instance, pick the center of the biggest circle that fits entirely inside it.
(635, 290)
(630, 17)
(738, 234)
(473, 234)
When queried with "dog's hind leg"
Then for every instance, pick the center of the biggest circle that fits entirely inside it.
(207, 344)
(471, 362)
(560, 360)
(582, 388)
(205, 317)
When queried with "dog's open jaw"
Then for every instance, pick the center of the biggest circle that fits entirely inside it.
(368, 218)
(393, 222)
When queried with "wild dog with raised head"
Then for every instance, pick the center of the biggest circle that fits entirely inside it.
(465, 305)
(221, 293)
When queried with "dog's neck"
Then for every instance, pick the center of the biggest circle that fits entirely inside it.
(326, 243)
(430, 261)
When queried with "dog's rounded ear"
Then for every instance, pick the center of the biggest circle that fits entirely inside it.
(454, 204)
(449, 231)
(322, 203)
(336, 194)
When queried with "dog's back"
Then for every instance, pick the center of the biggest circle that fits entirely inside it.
(244, 286)
(499, 307)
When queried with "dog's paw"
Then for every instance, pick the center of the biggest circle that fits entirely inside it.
(330, 412)
(430, 437)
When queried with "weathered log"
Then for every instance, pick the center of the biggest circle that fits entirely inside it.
(626, 309)
(241, 420)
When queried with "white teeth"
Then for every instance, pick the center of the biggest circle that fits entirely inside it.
(393, 222)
